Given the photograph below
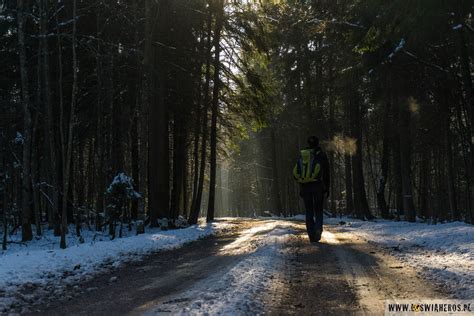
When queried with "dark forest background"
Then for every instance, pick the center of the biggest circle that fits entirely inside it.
(131, 112)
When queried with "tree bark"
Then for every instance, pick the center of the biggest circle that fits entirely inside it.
(159, 156)
(425, 184)
(276, 192)
(383, 207)
(26, 160)
(466, 74)
(348, 182)
(448, 149)
(197, 123)
(193, 218)
(177, 166)
(135, 161)
(360, 196)
(348, 162)
(35, 176)
(197, 130)
(215, 110)
(49, 126)
(143, 112)
(331, 156)
(405, 160)
(67, 147)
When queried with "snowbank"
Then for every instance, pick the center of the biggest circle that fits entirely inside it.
(40, 264)
(443, 253)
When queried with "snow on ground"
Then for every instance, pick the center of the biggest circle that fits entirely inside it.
(443, 253)
(40, 267)
(259, 256)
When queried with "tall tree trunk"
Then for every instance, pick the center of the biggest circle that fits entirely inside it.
(135, 160)
(348, 186)
(467, 79)
(67, 147)
(382, 203)
(116, 113)
(348, 161)
(159, 156)
(466, 74)
(360, 196)
(143, 111)
(426, 204)
(177, 166)
(198, 114)
(215, 110)
(91, 166)
(185, 187)
(100, 139)
(396, 161)
(332, 165)
(35, 176)
(448, 150)
(36, 150)
(276, 192)
(193, 218)
(197, 130)
(3, 191)
(453, 205)
(49, 126)
(359, 188)
(404, 120)
(25, 95)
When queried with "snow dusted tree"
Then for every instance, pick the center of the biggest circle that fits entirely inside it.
(118, 195)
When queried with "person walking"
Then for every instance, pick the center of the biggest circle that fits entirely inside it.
(311, 171)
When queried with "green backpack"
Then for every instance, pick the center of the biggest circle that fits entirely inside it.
(307, 169)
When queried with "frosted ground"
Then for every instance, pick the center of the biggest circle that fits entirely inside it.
(442, 253)
(42, 264)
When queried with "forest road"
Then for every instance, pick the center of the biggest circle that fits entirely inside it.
(260, 267)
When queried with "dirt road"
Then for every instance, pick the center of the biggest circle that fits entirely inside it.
(261, 267)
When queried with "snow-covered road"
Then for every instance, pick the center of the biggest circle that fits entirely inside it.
(443, 253)
(257, 266)
(264, 266)
(259, 254)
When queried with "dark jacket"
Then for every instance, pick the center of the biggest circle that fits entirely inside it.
(322, 159)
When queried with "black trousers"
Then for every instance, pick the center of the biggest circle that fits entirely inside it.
(313, 197)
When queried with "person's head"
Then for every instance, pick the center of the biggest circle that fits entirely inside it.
(313, 142)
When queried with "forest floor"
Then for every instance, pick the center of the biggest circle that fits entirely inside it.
(257, 267)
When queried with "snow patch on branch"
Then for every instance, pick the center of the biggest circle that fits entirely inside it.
(19, 139)
(125, 183)
(400, 46)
